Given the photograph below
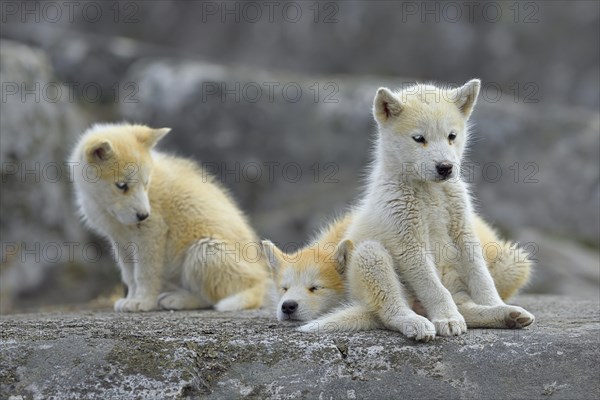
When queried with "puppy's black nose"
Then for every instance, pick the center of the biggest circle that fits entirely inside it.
(141, 216)
(289, 307)
(444, 169)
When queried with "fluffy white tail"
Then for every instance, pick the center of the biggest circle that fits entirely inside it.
(509, 265)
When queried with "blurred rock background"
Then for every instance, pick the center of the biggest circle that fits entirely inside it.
(275, 100)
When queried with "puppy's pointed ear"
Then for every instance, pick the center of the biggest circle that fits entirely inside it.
(273, 255)
(100, 151)
(465, 96)
(385, 106)
(343, 252)
(150, 137)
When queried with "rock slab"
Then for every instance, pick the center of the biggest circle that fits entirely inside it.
(206, 354)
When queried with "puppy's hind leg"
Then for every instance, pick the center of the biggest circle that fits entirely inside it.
(484, 316)
(218, 271)
(504, 316)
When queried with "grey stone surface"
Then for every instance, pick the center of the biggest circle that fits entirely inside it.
(206, 354)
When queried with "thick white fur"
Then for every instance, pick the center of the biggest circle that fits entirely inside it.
(194, 249)
(428, 249)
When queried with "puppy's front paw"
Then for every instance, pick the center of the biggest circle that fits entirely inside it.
(517, 317)
(450, 325)
(413, 326)
(136, 305)
(179, 300)
(311, 327)
(229, 304)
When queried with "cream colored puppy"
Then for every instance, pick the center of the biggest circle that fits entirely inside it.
(178, 237)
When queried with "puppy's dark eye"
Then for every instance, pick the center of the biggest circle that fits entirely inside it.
(313, 289)
(451, 136)
(122, 185)
(284, 289)
(419, 139)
